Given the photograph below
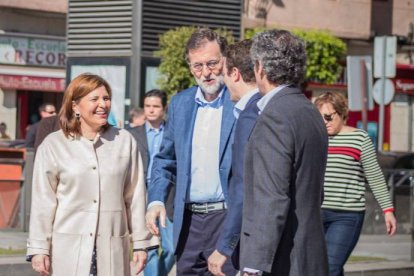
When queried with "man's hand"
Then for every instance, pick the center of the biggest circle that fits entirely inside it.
(390, 223)
(216, 262)
(41, 264)
(154, 213)
(139, 260)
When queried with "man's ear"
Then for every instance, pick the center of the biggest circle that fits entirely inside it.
(259, 68)
(235, 73)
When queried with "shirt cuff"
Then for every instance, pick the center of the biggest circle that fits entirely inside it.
(252, 270)
(156, 203)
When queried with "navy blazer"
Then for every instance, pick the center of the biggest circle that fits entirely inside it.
(230, 236)
(173, 163)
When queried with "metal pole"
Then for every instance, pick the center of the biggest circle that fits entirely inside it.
(410, 123)
(135, 74)
(364, 93)
(412, 217)
(381, 111)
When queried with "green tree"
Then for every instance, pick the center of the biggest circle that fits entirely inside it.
(176, 75)
(324, 52)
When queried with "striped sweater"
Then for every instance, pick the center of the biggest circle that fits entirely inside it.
(352, 162)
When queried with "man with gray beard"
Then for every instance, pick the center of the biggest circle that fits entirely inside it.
(195, 156)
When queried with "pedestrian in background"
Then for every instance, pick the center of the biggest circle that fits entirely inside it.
(45, 110)
(88, 193)
(136, 117)
(149, 137)
(3, 133)
(45, 127)
(352, 163)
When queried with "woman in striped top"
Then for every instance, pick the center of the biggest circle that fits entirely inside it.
(352, 162)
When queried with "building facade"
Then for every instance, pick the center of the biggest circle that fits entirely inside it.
(356, 22)
(36, 59)
(32, 60)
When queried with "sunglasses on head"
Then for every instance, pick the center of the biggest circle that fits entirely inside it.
(329, 117)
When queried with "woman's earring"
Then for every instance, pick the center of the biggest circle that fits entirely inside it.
(77, 115)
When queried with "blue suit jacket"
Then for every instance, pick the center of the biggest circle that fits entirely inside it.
(230, 236)
(172, 165)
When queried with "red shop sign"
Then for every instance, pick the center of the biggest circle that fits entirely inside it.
(32, 83)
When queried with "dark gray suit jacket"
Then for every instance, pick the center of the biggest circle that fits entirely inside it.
(282, 231)
(140, 136)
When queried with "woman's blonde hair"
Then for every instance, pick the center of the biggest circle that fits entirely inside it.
(78, 88)
(338, 101)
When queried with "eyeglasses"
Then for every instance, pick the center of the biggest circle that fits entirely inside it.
(211, 64)
(329, 117)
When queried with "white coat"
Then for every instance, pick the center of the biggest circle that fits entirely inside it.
(86, 193)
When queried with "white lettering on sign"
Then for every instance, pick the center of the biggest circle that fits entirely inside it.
(32, 83)
(32, 51)
(405, 86)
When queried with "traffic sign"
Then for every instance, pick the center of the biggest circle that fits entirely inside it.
(389, 91)
(385, 51)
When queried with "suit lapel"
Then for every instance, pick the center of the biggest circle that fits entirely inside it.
(143, 138)
(255, 98)
(226, 123)
(186, 121)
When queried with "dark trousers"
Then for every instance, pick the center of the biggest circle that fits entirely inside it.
(198, 239)
(342, 230)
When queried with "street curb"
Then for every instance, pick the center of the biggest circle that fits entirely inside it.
(16, 266)
(17, 270)
(393, 268)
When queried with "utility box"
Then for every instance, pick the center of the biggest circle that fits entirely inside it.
(11, 182)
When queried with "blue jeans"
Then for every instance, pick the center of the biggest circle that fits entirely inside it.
(342, 230)
(160, 265)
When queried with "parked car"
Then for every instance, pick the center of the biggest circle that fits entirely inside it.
(396, 164)
(396, 167)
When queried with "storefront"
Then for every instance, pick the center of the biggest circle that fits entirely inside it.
(402, 110)
(32, 72)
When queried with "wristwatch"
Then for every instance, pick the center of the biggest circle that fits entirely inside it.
(146, 249)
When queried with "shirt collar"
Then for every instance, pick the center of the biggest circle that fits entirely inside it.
(201, 101)
(241, 104)
(148, 127)
(261, 104)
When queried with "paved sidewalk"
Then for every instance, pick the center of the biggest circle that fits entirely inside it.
(13, 239)
(396, 250)
(17, 265)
